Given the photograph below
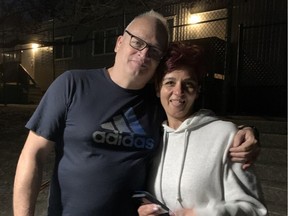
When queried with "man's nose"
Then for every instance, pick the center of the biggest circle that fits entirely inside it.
(145, 52)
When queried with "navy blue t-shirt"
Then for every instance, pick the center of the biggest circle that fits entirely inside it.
(105, 137)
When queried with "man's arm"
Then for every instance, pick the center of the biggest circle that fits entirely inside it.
(28, 175)
(246, 146)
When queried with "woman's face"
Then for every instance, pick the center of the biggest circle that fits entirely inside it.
(178, 91)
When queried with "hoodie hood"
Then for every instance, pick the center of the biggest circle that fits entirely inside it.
(198, 119)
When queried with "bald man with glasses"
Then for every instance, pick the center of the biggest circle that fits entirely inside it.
(139, 44)
(104, 127)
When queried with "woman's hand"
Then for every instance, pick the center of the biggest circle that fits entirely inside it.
(183, 212)
(149, 210)
(154, 210)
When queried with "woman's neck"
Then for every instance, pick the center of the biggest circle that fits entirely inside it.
(174, 123)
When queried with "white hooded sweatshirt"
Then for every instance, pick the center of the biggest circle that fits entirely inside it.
(195, 172)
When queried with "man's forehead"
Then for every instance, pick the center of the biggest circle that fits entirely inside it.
(144, 23)
(148, 28)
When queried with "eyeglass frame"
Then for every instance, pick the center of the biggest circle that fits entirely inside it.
(146, 45)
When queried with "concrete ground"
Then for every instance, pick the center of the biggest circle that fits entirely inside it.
(12, 137)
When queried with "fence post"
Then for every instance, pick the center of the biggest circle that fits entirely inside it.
(227, 60)
(238, 65)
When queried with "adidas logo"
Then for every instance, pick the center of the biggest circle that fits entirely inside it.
(123, 139)
(124, 130)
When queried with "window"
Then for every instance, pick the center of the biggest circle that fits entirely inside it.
(8, 57)
(104, 41)
(63, 47)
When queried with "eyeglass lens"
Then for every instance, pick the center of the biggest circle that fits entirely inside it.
(139, 44)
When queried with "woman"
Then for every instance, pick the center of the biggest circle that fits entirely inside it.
(194, 176)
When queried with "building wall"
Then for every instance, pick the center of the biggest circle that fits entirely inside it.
(44, 74)
(28, 61)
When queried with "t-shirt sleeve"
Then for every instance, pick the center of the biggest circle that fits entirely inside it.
(48, 120)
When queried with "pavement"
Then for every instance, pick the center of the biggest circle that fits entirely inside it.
(12, 137)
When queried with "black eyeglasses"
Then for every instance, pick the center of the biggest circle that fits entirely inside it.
(139, 44)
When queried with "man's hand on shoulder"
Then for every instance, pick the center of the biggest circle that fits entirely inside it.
(246, 146)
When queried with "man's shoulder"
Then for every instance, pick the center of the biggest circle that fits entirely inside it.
(85, 72)
(79, 75)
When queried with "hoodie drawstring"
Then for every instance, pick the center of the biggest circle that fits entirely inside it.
(162, 163)
(179, 197)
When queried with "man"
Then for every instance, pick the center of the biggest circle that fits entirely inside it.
(104, 127)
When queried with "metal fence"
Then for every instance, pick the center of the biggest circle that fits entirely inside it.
(246, 66)
(261, 69)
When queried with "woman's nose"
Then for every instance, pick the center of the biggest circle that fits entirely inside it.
(178, 89)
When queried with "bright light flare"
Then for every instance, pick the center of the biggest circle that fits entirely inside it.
(193, 19)
(35, 46)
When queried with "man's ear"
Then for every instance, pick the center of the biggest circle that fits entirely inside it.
(118, 43)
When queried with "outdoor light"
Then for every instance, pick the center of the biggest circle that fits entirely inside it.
(35, 46)
(193, 19)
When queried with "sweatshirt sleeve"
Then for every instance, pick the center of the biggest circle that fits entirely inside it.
(242, 193)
